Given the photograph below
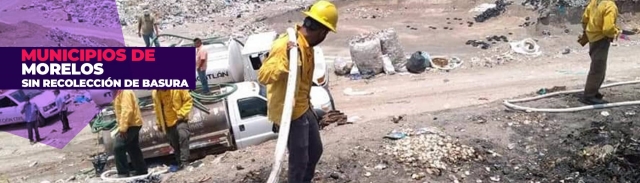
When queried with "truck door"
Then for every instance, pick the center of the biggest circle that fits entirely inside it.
(253, 126)
(9, 111)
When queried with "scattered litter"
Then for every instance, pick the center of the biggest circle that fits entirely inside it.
(630, 113)
(499, 7)
(543, 91)
(445, 63)
(482, 7)
(334, 117)
(604, 113)
(396, 135)
(351, 92)
(33, 164)
(527, 46)
(397, 119)
(418, 62)
(381, 166)
(427, 150)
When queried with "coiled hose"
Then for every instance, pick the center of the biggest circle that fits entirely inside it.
(509, 103)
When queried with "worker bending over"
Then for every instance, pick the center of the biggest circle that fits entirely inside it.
(305, 145)
(172, 109)
(62, 106)
(129, 120)
(599, 24)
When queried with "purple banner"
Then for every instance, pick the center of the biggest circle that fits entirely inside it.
(98, 68)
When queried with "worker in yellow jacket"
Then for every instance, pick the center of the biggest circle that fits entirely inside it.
(305, 145)
(129, 119)
(172, 109)
(599, 24)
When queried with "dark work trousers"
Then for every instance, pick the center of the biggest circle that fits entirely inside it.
(130, 146)
(33, 127)
(65, 120)
(178, 136)
(598, 51)
(305, 148)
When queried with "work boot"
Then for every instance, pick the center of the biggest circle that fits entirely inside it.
(599, 96)
(32, 142)
(592, 101)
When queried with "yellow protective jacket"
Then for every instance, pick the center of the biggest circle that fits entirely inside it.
(599, 20)
(276, 64)
(127, 110)
(171, 106)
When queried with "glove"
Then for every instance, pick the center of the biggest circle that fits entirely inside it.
(583, 40)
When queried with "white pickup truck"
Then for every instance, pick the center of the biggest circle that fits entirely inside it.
(12, 101)
(237, 121)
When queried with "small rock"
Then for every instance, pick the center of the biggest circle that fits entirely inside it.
(629, 113)
(604, 113)
(335, 175)
(495, 178)
(367, 174)
(381, 166)
(511, 146)
(566, 51)
(239, 167)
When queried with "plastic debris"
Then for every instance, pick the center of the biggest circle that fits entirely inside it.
(527, 46)
(418, 62)
(396, 135)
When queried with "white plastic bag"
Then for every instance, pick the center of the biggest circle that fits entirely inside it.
(388, 65)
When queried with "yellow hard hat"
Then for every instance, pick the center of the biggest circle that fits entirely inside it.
(325, 13)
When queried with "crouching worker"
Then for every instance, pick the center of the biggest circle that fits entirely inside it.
(305, 145)
(172, 109)
(129, 120)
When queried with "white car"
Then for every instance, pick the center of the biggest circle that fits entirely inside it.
(12, 101)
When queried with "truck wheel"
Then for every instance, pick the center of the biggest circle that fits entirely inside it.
(41, 120)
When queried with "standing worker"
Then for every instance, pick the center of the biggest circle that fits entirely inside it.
(172, 109)
(147, 24)
(30, 114)
(599, 24)
(201, 64)
(62, 106)
(129, 120)
(305, 145)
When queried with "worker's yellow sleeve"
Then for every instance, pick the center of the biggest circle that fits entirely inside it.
(184, 103)
(275, 64)
(157, 109)
(610, 15)
(124, 112)
(586, 13)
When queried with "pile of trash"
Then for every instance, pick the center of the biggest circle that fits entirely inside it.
(66, 39)
(176, 13)
(499, 8)
(98, 13)
(381, 52)
(428, 150)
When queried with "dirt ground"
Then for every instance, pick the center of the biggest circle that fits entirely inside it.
(465, 104)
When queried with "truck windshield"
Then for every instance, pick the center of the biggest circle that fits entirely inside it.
(20, 95)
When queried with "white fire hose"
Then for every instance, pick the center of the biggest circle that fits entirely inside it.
(283, 134)
(509, 103)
